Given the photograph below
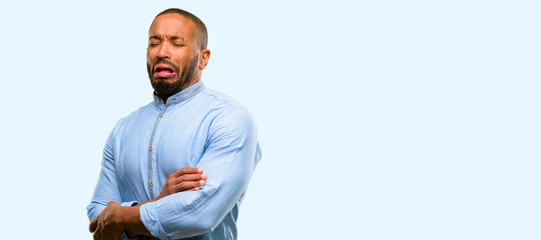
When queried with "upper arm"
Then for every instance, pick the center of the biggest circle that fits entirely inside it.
(107, 186)
(230, 155)
(228, 161)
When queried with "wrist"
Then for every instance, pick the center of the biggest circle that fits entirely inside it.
(129, 216)
(131, 222)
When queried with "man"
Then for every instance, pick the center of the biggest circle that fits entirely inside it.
(179, 166)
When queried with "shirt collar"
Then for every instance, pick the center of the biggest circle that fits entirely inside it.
(182, 95)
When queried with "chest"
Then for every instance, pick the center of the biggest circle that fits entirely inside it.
(157, 144)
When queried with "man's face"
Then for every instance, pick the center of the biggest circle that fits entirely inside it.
(172, 54)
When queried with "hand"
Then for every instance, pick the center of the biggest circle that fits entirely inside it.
(107, 225)
(185, 179)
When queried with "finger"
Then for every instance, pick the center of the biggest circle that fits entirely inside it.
(186, 178)
(186, 185)
(192, 177)
(93, 224)
(97, 235)
(183, 186)
(193, 189)
(187, 170)
(112, 235)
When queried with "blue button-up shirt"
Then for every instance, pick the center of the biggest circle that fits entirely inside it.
(197, 127)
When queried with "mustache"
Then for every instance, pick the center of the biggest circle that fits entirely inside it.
(165, 61)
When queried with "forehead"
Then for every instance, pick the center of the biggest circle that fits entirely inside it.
(171, 24)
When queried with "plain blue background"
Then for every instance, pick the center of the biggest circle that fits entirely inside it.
(377, 119)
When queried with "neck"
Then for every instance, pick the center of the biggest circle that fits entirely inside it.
(165, 96)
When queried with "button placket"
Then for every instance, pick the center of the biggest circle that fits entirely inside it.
(151, 150)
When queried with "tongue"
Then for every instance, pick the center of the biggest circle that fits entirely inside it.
(164, 73)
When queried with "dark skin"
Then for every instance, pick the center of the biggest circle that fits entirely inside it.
(116, 219)
(172, 41)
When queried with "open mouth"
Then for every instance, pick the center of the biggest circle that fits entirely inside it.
(163, 70)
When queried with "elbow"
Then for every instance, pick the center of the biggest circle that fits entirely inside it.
(195, 229)
(204, 225)
(203, 222)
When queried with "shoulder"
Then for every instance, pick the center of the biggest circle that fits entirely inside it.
(224, 107)
(228, 114)
(218, 99)
(139, 114)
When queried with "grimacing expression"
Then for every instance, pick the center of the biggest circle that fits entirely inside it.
(172, 54)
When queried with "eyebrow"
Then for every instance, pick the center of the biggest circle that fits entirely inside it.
(174, 37)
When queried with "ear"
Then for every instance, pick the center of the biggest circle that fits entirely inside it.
(204, 58)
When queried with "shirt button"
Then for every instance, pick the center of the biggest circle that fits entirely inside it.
(150, 148)
(161, 115)
(151, 183)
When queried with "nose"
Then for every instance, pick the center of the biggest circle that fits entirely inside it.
(163, 52)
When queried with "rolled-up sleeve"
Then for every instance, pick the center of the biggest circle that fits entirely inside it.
(107, 187)
(228, 161)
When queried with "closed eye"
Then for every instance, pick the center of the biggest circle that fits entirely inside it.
(153, 43)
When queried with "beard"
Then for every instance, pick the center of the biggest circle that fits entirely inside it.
(165, 89)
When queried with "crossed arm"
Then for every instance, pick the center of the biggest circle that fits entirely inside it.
(114, 220)
(229, 159)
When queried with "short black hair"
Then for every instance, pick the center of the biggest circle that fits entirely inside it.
(202, 35)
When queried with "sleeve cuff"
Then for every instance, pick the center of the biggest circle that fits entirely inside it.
(149, 218)
(129, 204)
